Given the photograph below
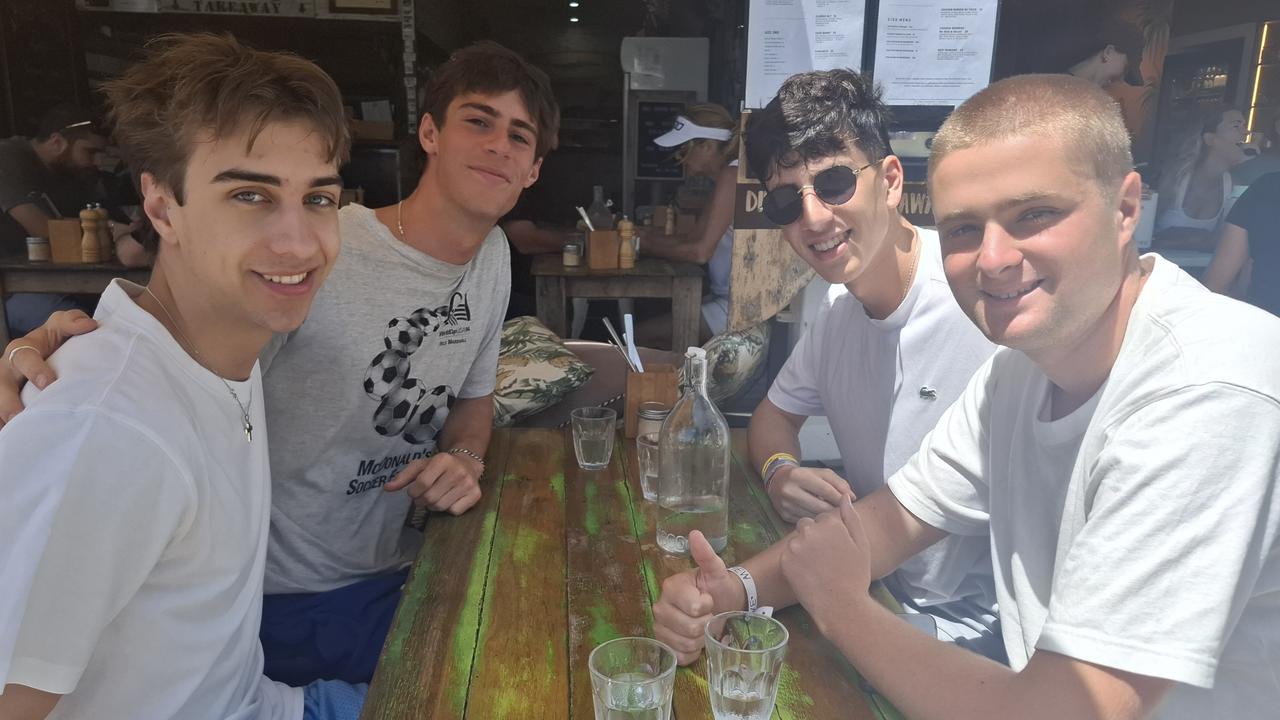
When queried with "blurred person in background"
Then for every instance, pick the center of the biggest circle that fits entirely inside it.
(707, 140)
(1247, 260)
(1193, 195)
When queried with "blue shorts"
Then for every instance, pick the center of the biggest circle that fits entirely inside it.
(333, 700)
(335, 635)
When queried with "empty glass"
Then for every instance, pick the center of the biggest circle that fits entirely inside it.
(593, 432)
(649, 462)
(632, 679)
(744, 661)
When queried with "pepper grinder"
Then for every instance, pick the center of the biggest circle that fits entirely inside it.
(626, 248)
(90, 243)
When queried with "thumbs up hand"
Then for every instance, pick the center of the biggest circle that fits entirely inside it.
(690, 598)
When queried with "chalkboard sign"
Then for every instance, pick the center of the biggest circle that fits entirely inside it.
(653, 162)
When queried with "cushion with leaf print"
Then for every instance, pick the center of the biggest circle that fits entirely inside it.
(535, 371)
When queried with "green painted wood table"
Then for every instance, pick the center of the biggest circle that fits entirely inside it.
(505, 603)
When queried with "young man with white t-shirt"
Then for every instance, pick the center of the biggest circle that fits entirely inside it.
(400, 412)
(137, 491)
(890, 349)
(1122, 451)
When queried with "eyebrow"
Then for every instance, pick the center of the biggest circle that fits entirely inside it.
(493, 112)
(235, 175)
(1012, 202)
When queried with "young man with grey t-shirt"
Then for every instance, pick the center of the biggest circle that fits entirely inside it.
(400, 410)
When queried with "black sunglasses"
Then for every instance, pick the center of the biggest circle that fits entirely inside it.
(784, 204)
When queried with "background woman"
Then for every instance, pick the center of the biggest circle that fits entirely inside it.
(707, 138)
(1193, 198)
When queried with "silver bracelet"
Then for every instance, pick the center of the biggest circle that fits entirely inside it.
(468, 453)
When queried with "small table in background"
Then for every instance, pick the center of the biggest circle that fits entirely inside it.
(681, 282)
(19, 275)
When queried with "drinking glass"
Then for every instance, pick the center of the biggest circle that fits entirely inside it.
(632, 679)
(744, 661)
(593, 432)
(649, 461)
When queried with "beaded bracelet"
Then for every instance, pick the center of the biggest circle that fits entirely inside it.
(468, 453)
(776, 462)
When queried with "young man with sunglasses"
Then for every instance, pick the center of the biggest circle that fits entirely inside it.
(1121, 451)
(890, 348)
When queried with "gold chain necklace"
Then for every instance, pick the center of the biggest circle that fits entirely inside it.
(911, 274)
(400, 223)
(244, 411)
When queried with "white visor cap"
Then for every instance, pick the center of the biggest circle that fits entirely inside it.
(685, 130)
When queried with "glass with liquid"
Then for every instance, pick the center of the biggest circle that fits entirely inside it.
(632, 679)
(594, 429)
(744, 661)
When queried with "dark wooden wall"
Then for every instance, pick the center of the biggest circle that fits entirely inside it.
(41, 61)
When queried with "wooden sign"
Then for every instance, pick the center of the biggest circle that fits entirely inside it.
(270, 8)
(766, 273)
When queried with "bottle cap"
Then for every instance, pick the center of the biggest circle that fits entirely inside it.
(696, 352)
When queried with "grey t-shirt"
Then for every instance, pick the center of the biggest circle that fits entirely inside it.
(362, 389)
(23, 178)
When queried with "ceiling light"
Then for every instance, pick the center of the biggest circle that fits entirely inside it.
(573, 4)
(573, 19)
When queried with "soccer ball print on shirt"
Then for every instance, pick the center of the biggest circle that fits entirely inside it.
(406, 407)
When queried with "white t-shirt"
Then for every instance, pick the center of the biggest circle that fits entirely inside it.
(362, 389)
(133, 533)
(883, 384)
(1140, 531)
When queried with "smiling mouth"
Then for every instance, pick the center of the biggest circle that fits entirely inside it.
(286, 279)
(1014, 294)
(830, 244)
(492, 173)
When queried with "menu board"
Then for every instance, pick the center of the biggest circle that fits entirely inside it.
(934, 52)
(654, 119)
(786, 37)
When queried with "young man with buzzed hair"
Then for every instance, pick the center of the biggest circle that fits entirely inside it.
(137, 494)
(1122, 451)
(889, 350)
(400, 412)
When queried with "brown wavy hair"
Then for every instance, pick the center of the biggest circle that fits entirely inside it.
(188, 84)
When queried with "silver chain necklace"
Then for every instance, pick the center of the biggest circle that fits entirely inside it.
(244, 412)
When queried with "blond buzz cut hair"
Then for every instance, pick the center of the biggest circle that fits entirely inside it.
(1079, 114)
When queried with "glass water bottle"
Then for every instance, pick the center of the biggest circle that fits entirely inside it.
(693, 487)
(598, 211)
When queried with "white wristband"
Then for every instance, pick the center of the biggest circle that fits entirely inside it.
(748, 584)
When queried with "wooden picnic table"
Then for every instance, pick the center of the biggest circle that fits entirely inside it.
(17, 274)
(505, 602)
(680, 282)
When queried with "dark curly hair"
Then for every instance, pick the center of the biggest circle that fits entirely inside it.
(816, 115)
